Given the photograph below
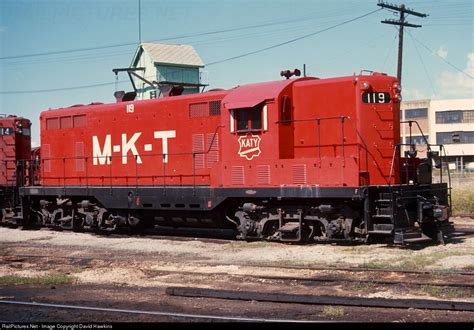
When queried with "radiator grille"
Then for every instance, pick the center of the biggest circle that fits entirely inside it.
(204, 109)
(198, 146)
(238, 175)
(215, 108)
(213, 147)
(263, 174)
(299, 174)
(198, 110)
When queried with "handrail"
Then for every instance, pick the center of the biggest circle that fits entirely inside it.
(410, 122)
(342, 119)
(442, 155)
(109, 160)
(398, 146)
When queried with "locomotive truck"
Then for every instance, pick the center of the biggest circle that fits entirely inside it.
(298, 160)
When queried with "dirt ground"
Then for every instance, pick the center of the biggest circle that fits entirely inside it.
(133, 272)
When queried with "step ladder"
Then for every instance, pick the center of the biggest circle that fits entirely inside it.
(382, 220)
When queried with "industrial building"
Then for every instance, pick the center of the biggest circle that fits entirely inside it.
(447, 122)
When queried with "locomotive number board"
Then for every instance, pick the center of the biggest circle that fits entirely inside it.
(375, 97)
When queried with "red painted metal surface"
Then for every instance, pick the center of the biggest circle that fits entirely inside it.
(15, 144)
(294, 132)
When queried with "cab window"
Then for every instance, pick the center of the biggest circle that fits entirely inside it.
(249, 119)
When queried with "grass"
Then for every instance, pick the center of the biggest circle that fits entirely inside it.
(421, 261)
(47, 280)
(446, 292)
(463, 200)
(413, 262)
(332, 312)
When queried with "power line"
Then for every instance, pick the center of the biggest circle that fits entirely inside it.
(401, 24)
(205, 41)
(388, 52)
(291, 40)
(212, 63)
(59, 89)
(444, 60)
(65, 51)
(422, 63)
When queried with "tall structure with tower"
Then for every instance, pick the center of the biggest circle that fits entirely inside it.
(160, 69)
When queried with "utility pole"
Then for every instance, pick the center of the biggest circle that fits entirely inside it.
(401, 23)
(139, 22)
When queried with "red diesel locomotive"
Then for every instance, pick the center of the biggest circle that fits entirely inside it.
(294, 160)
(15, 145)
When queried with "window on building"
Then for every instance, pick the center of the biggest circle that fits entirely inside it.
(449, 117)
(468, 116)
(416, 113)
(455, 116)
(417, 139)
(454, 137)
(249, 119)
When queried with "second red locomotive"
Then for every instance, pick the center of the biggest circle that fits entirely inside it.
(293, 160)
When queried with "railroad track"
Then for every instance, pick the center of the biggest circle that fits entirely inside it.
(439, 281)
(308, 279)
(259, 266)
(185, 316)
(321, 300)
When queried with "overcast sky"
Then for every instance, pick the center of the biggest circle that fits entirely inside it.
(241, 41)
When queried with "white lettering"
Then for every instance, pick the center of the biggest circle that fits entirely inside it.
(165, 135)
(249, 142)
(130, 146)
(101, 157)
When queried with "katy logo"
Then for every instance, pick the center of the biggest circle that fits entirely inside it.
(249, 146)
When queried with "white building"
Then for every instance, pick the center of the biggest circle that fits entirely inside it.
(166, 66)
(447, 122)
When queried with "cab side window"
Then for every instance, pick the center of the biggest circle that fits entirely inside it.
(249, 119)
